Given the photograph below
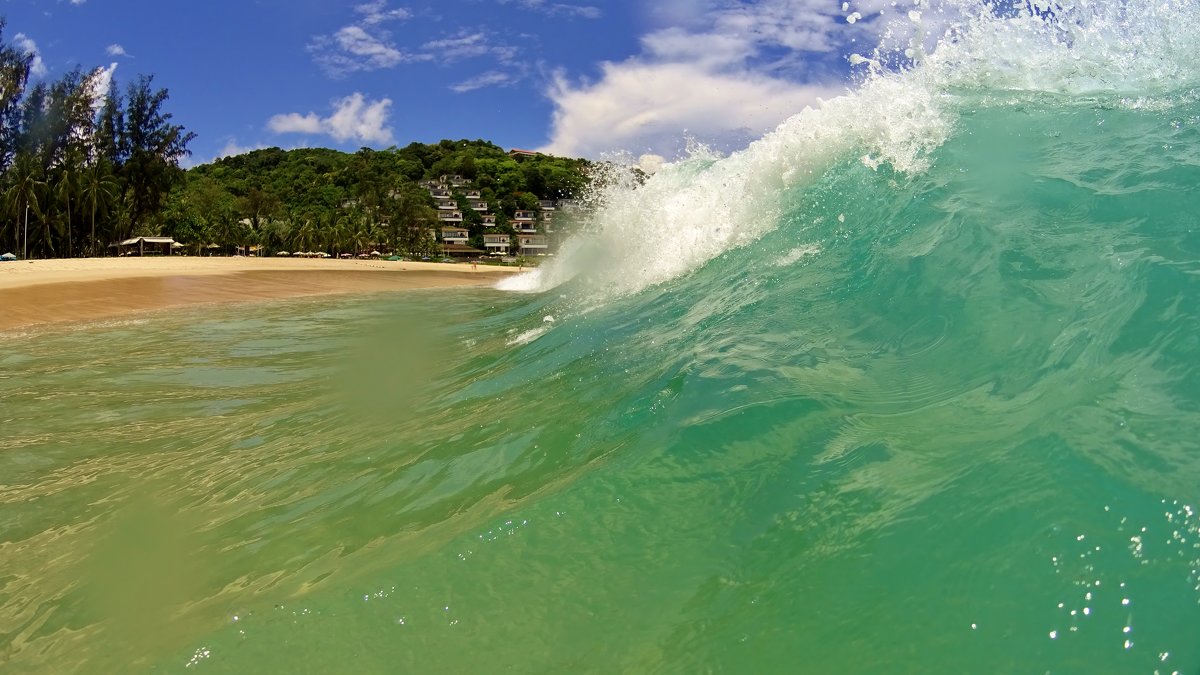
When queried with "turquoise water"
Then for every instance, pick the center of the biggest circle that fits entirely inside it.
(934, 410)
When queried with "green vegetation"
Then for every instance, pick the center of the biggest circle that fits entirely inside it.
(80, 166)
(325, 200)
(84, 165)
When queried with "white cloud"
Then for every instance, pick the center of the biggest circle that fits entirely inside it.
(78, 2)
(727, 72)
(492, 78)
(377, 12)
(651, 107)
(116, 50)
(25, 44)
(557, 8)
(374, 53)
(354, 118)
(232, 147)
(469, 45)
(295, 123)
(100, 85)
(364, 44)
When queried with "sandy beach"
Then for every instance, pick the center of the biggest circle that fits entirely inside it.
(44, 292)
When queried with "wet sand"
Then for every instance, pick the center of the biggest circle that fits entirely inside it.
(47, 292)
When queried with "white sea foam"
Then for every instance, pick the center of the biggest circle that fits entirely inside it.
(693, 210)
(525, 337)
(797, 254)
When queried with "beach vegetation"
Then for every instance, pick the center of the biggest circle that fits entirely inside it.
(83, 163)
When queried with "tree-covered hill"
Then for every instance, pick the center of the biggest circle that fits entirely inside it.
(320, 199)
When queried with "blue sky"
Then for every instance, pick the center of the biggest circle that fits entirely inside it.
(572, 77)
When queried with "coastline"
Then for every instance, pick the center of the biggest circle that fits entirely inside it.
(43, 293)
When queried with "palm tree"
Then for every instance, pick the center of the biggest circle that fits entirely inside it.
(361, 238)
(339, 233)
(66, 189)
(99, 189)
(22, 193)
(304, 237)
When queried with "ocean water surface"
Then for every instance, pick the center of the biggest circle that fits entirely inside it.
(909, 385)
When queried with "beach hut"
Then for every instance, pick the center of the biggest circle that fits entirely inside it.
(140, 246)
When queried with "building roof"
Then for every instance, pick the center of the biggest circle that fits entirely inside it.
(461, 248)
(148, 240)
(517, 152)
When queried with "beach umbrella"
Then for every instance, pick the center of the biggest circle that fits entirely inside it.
(376, 254)
(8, 256)
(282, 253)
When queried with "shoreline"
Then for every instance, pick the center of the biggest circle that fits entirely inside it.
(47, 293)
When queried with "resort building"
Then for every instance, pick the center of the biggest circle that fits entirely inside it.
(531, 226)
(523, 221)
(532, 244)
(456, 235)
(496, 244)
(461, 251)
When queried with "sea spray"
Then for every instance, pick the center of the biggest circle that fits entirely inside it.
(695, 209)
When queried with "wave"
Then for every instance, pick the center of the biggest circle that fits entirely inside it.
(912, 95)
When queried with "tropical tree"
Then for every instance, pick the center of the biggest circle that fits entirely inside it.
(99, 189)
(21, 196)
(154, 147)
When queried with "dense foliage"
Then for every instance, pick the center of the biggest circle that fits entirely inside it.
(81, 164)
(325, 200)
